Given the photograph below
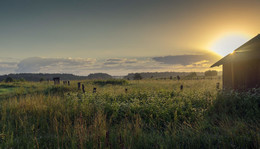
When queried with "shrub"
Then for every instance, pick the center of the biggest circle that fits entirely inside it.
(211, 73)
(137, 76)
(111, 82)
(9, 79)
(245, 105)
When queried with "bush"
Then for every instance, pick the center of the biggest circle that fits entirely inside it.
(137, 76)
(59, 90)
(9, 79)
(21, 80)
(244, 105)
(211, 73)
(191, 75)
(112, 82)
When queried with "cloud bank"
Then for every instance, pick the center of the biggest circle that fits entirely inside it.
(187, 59)
(113, 66)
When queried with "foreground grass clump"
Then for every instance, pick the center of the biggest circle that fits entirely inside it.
(148, 116)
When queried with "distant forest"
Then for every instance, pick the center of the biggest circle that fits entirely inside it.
(144, 75)
(161, 75)
(45, 76)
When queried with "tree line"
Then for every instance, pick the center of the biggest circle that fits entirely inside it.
(170, 75)
(35, 77)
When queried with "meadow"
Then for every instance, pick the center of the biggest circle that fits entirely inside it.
(151, 114)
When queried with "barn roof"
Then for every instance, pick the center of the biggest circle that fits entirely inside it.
(249, 50)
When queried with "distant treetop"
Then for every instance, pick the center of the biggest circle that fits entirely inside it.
(210, 73)
(99, 76)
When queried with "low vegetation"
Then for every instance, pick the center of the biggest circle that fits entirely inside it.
(151, 114)
(110, 82)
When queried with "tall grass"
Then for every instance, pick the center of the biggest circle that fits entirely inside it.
(152, 114)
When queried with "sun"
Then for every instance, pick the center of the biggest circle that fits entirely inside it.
(228, 43)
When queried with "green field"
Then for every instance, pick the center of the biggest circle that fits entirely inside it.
(151, 114)
(5, 89)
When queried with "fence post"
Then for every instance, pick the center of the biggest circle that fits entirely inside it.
(78, 85)
(217, 86)
(181, 87)
(83, 88)
(94, 90)
(178, 78)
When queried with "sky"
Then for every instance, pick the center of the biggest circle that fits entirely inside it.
(119, 37)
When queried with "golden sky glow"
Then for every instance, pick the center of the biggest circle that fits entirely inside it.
(228, 43)
(134, 30)
(121, 29)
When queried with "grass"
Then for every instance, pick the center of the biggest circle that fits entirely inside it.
(152, 114)
(5, 88)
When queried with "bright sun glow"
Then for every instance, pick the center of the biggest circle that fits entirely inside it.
(228, 43)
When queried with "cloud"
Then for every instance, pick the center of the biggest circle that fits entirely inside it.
(38, 64)
(8, 65)
(120, 61)
(187, 59)
(113, 66)
(129, 64)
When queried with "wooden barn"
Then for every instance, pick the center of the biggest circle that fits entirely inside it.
(241, 69)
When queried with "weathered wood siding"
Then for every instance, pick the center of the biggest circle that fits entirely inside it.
(241, 74)
(227, 79)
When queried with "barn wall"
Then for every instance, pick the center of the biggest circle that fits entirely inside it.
(252, 78)
(246, 74)
(258, 74)
(240, 75)
(227, 76)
